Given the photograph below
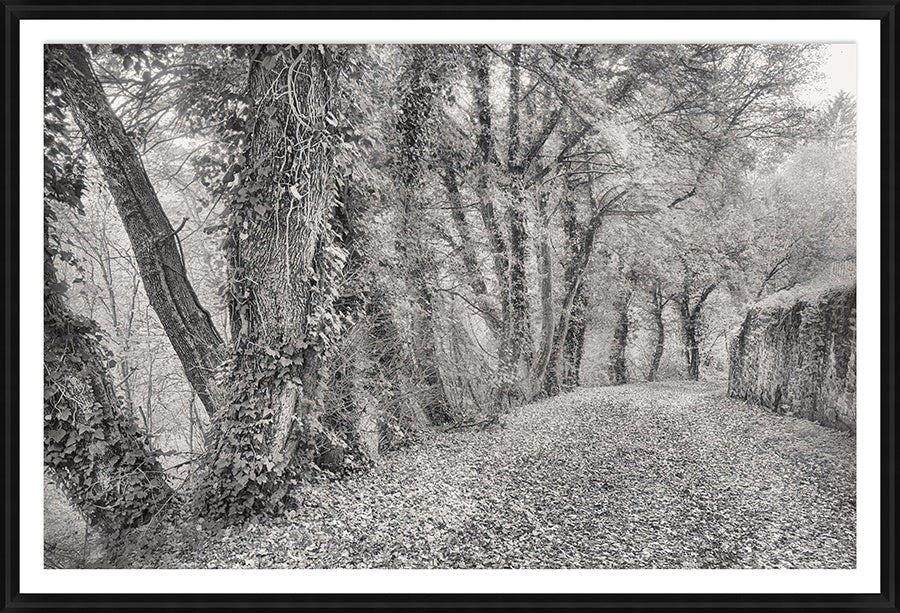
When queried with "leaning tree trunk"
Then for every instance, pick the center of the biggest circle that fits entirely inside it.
(284, 268)
(564, 361)
(154, 241)
(93, 447)
(468, 251)
(618, 367)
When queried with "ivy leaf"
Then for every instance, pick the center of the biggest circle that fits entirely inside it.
(58, 288)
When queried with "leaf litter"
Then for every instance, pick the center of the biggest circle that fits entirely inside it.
(650, 475)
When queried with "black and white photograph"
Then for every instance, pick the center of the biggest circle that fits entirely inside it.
(450, 306)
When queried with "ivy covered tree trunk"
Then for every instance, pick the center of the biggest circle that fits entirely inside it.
(569, 363)
(154, 241)
(500, 249)
(386, 362)
(421, 270)
(660, 334)
(548, 319)
(573, 347)
(284, 278)
(349, 416)
(515, 344)
(618, 366)
(93, 448)
(486, 167)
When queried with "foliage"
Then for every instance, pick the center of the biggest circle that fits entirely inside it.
(244, 477)
(95, 451)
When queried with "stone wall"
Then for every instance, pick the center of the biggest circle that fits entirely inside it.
(796, 354)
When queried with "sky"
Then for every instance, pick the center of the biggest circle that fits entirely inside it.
(838, 73)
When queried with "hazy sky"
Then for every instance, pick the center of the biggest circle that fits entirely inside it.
(838, 73)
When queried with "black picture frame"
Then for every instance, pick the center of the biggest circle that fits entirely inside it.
(13, 600)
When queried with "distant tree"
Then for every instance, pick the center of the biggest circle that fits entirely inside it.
(804, 211)
(836, 123)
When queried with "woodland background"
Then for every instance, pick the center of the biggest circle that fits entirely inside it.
(265, 264)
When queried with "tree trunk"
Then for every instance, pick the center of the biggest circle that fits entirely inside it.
(284, 267)
(690, 327)
(486, 165)
(153, 239)
(387, 354)
(515, 344)
(516, 339)
(618, 367)
(659, 343)
(420, 268)
(548, 324)
(580, 246)
(93, 448)
(689, 324)
(573, 347)
(471, 266)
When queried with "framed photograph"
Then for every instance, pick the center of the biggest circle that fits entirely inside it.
(449, 307)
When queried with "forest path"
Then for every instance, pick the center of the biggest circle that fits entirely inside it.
(664, 475)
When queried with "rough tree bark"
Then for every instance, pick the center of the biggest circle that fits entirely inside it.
(515, 342)
(486, 164)
(689, 332)
(284, 268)
(548, 323)
(573, 346)
(420, 268)
(154, 241)
(281, 259)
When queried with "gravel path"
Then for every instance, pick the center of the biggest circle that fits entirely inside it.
(666, 475)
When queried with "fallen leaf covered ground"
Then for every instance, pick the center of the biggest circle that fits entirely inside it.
(665, 475)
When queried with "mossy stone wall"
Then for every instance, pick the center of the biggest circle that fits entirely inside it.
(800, 358)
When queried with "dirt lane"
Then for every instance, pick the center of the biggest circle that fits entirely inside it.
(665, 475)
